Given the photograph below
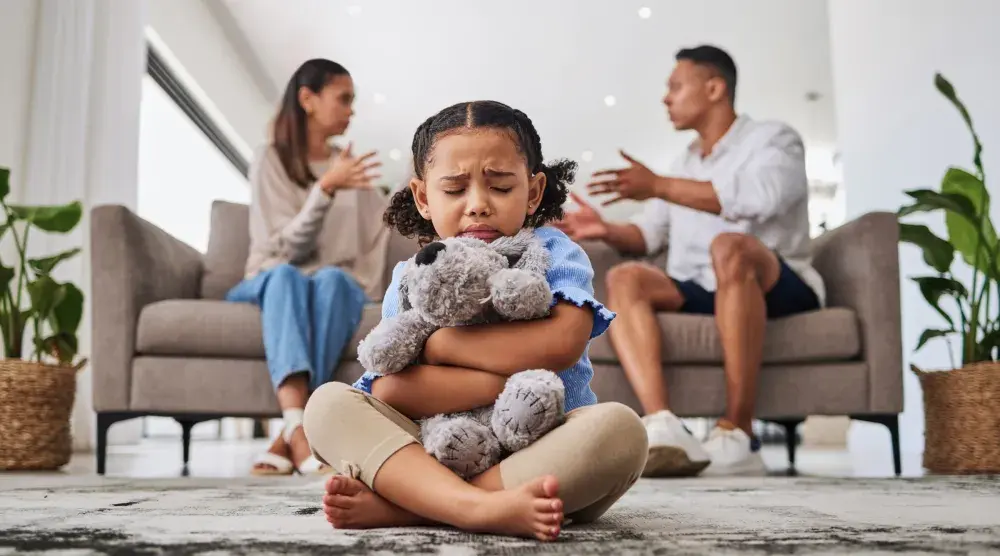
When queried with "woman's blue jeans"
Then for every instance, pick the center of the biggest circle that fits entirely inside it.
(307, 320)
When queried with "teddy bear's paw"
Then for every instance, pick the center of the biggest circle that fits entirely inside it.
(393, 344)
(461, 444)
(520, 295)
(531, 405)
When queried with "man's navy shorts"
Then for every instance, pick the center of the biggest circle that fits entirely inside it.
(790, 295)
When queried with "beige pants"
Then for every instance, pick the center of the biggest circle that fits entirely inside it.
(597, 454)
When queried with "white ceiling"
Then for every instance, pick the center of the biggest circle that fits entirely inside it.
(556, 60)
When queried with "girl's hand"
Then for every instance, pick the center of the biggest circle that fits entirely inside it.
(350, 172)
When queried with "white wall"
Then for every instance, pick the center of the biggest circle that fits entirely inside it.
(17, 45)
(897, 132)
(218, 71)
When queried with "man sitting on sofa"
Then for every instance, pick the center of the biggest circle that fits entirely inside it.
(734, 208)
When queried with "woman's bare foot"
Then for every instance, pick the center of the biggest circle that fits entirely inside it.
(350, 504)
(531, 510)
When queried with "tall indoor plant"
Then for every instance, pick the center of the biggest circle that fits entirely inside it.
(961, 406)
(39, 320)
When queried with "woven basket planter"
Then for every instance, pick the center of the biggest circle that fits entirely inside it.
(36, 400)
(962, 419)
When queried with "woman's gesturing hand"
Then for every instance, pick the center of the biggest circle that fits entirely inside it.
(350, 172)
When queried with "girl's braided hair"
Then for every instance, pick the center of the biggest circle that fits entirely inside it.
(402, 213)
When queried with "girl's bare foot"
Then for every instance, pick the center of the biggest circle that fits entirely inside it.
(531, 510)
(349, 504)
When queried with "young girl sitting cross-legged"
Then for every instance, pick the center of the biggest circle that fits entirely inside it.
(479, 173)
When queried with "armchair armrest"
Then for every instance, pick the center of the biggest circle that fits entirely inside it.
(133, 264)
(859, 262)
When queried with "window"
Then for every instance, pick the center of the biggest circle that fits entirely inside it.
(185, 163)
(181, 171)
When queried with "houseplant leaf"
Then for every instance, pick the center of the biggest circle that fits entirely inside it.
(990, 343)
(47, 264)
(4, 182)
(938, 253)
(66, 314)
(45, 294)
(933, 287)
(6, 275)
(946, 89)
(62, 346)
(930, 334)
(927, 200)
(963, 233)
(60, 218)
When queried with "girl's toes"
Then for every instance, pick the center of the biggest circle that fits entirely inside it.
(548, 505)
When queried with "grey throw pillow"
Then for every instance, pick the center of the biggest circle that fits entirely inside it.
(228, 249)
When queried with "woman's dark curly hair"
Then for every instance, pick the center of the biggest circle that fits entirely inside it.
(402, 213)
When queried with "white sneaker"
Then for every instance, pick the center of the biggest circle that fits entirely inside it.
(673, 452)
(733, 452)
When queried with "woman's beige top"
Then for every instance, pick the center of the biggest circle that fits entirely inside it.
(308, 228)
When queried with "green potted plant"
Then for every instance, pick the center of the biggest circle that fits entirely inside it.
(962, 421)
(39, 319)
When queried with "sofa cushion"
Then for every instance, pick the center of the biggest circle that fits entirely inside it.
(212, 328)
(827, 335)
(228, 249)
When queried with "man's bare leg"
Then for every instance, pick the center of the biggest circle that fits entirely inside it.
(745, 270)
(636, 292)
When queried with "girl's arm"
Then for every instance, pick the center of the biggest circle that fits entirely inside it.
(426, 390)
(556, 342)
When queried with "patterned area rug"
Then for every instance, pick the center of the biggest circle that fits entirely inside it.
(89, 515)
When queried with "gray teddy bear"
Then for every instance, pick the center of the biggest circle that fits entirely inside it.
(463, 281)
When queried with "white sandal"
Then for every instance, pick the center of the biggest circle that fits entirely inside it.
(282, 465)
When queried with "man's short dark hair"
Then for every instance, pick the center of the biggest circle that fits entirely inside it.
(716, 59)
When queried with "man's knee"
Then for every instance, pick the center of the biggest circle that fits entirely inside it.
(732, 257)
(625, 280)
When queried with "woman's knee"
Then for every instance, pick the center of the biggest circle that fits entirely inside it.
(283, 274)
(330, 275)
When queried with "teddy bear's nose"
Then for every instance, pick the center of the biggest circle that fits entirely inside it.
(428, 254)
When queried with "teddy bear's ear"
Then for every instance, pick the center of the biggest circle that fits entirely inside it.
(404, 293)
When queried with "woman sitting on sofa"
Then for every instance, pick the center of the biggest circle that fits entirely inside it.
(317, 248)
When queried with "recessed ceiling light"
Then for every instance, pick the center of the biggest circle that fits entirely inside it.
(587, 156)
(395, 154)
(379, 98)
(645, 12)
(354, 10)
(610, 100)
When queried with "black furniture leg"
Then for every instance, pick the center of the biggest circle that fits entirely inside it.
(104, 422)
(791, 441)
(891, 422)
(186, 426)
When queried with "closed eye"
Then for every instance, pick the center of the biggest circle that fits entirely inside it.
(503, 189)
(454, 192)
